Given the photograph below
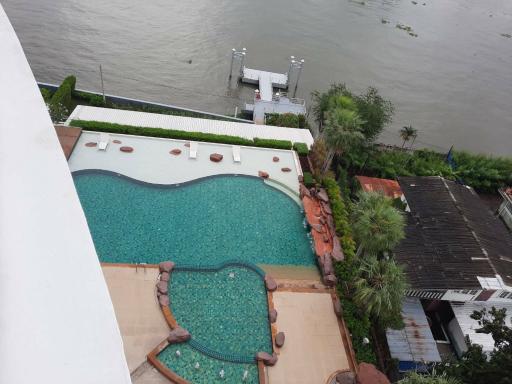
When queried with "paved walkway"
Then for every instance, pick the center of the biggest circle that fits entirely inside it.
(314, 348)
(140, 319)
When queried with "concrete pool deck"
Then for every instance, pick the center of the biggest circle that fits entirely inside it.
(314, 346)
(152, 162)
(138, 314)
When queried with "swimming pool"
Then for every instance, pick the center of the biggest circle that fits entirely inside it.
(201, 223)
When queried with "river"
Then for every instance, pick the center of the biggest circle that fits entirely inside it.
(452, 82)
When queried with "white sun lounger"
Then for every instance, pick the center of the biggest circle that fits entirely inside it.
(193, 150)
(236, 153)
(103, 141)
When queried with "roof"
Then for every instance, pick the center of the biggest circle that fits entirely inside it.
(468, 326)
(389, 188)
(415, 341)
(451, 237)
(57, 320)
(190, 124)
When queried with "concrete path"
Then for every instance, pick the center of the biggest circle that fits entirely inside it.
(140, 319)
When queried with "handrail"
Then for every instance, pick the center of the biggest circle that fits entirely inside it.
(218, 267)
(229, 357)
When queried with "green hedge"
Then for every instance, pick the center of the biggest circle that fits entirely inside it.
(62, 95)
(289, 120)
(308, 180)
(90, 98)
(301, 148)
(181, 135)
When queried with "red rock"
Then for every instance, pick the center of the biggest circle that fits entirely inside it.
(304, 191)
(270, 283)
(322, 220)
(275, 159)
(345, 378)
(322, 195)
(263, 174)
(272, 315)
(117, 141)
(326, 263)
(166, 266)
(280, 339)
(178, 335)
(326, 208)
(338, 310)
(337, 252)
(91, 144)
(368, 374)
(325, 238)
(216, 157)
(286, 169)
(330, 280)
(268, 359)
(162, 287)
(164, 276)
(318, 228)
(126, 149)
(175, 152)
(187, 145)
(163, 300)
(301, 178)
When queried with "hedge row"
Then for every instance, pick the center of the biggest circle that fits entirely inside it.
(181, 135)
(62, 95)
(301, 148)
(357, 322)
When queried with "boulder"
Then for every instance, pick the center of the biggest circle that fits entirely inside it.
(337, 252)
(346, 378)
(330, 280)
(162, 287)
(175, 152)
(322, 195)
(178, 335)
(280, 339)
(164, 276)
(117, 141)
(275, 159)
(268, 359)
(368, 374)
(326, 208)
(163, 300)
(166, 266)
(301, 178)
(126, 149)
(328, 268)
(325, 238)
(286, 169)
(318, 227)
(338, 310)
(304, 191)
(272, 315)
(216, 157)
(91, 144)
(263, 174)
(270, 283)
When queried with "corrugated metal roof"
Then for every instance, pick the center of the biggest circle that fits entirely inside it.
(415, 342)
(468, 326)
(390, 188)
(190, 124)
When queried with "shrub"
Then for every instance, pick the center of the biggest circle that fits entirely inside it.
(269, 143)
(47, 94)
(309, 181)
(90, 98)
(61, 103)
(289, 120)
(301, 148)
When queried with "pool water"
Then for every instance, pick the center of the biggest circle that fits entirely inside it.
(201, 223)
(225, 311)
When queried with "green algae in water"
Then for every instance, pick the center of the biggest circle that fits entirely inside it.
(208, 371)
(203, 223)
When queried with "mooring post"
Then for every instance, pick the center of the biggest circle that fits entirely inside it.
(242, 61)
(298, 76)
(232, 59)
(102, 86)
(292, 61)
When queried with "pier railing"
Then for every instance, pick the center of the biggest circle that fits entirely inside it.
(293, 100)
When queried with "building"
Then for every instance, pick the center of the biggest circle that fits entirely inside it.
(505, 209)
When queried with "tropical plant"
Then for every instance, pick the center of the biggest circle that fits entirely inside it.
(415, 378)
(377, 225)
(407, 133)
(342, 130)
(379, 288)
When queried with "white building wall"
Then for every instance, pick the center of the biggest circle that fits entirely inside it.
(57, 323)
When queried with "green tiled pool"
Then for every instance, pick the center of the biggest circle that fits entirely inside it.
(202, 223)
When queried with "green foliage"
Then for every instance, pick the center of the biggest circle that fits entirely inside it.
(309, 181)
(61, 103)
(47, 94)
(286, 120)
(301, 148)
(90, 98)
(380, 286)
(181, 135)
(378, 226)
(416, 378)
(407, 133)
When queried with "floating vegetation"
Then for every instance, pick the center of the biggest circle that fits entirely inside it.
(507, 35)
(360, 2)
(407, 29)
(384, 21)
(414, 2)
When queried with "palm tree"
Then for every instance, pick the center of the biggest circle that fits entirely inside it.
(416, 378)
(408, 132)
(342, 130)
(377, 225)
(379, 287)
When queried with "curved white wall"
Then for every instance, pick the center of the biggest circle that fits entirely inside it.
(57, 323)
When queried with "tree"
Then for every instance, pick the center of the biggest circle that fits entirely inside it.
(375, 111)
(377, 225)
(415, 378)
(379, 288)
(476, 366)
(342, 130)
(407, 133)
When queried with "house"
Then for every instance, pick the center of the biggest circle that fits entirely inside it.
(505, 209)
(389, 188)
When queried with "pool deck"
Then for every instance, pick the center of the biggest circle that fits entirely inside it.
(152, 162)
(314, 346)
(140, 318)
(68, 137)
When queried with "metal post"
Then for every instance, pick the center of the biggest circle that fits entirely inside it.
(292, 61)
(236, 111)
(102, 86)
(298, 77)
(232, 59)
(242, 63)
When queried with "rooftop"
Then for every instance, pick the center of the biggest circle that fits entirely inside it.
(451, 237)
(389, 188)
